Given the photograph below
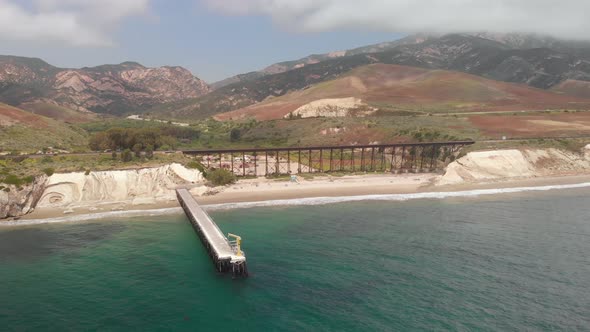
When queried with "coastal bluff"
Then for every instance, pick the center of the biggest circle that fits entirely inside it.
(102, 189)
(132, 187)
(500, 165)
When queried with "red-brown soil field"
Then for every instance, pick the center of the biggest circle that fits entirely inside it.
(12, 116)
(514, 126)
(574, 88)
(58, 113)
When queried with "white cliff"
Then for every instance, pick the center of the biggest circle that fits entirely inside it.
(490, 166)
(128, 187)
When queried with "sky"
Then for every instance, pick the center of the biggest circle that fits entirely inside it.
(216, 39)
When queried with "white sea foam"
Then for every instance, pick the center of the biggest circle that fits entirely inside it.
(392, 197)
(300, 202)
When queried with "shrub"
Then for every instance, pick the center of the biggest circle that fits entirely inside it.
(87, 172)
(49, 171)
(235, 134)
(15, 180)
(221, 177)
(12, 179)
(197, 165)
(572, 146)
(46, 160)
(126, 156)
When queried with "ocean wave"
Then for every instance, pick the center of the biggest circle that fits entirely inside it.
(299, 202)
(391, 197)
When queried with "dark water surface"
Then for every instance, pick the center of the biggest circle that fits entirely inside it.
(519, 262)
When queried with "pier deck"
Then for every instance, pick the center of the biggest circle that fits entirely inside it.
(225, 256)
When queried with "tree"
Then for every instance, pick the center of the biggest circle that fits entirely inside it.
(169, 141)
(128, 138)
(149, 151)
(100, 141)
(117, 138)
(137, 150)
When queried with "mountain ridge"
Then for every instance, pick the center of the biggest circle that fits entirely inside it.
(509, 40)
(539, 67)
(111, 88)
(173, 92)
(393, 89)
(284, 66)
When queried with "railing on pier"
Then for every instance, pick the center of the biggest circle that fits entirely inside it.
(401, 157)
(226, 255)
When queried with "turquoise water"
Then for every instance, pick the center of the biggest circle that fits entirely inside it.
(511, 262)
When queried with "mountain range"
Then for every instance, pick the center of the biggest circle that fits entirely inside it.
(496, 57)
(508, 40)
(543, 66)
(115, 89)
(282, 67)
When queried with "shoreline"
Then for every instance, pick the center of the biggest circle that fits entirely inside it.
(394, 184)
(321, 190)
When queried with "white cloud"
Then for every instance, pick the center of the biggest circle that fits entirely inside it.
(563, 18)
(70, 22)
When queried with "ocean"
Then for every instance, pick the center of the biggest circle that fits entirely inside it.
(508, 262)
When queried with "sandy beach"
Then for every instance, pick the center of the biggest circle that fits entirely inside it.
(261, 190)
(323, 186)
(358, 185)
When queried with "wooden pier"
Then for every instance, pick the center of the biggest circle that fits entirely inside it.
(226, 255)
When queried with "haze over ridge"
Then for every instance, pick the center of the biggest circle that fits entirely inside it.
(451, 16)
(195, 33)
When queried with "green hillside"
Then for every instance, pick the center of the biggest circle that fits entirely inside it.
(23, 131)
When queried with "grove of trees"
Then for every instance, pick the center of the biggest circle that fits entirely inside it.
(141, 139)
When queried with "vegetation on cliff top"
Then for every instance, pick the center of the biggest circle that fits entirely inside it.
(21, 170)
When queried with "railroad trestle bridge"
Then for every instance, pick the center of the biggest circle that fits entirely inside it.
(399, 157)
